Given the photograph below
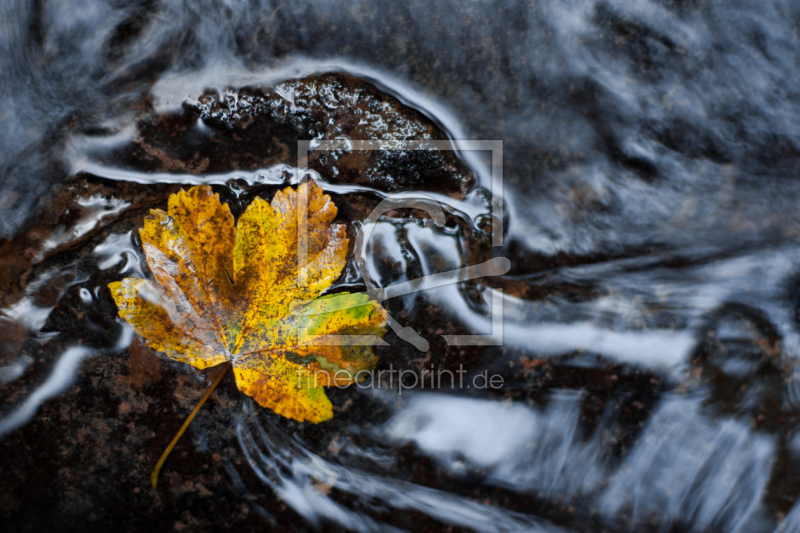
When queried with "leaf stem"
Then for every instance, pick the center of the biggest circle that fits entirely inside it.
(157, 469)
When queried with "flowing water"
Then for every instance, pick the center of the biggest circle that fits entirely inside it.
(650, 333)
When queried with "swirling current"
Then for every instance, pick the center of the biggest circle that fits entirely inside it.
(640, 164)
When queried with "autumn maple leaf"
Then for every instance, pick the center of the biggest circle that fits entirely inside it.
(235, 292)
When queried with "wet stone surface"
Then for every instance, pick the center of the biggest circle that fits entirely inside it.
(83, 461)
(86, 455)
(254, 128)
(585, 413)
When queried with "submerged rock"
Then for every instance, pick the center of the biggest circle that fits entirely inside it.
(253, 128)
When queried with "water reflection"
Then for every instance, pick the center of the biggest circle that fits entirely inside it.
(516, 446)
(89, 329)
(302, 479)
(650, 321)
(692, 471)
(709, 337)
(685, 468)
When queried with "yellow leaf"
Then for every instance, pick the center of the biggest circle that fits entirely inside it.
(249, 293)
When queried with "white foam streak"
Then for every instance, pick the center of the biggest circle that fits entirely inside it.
(60, 379)
(291, 471)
